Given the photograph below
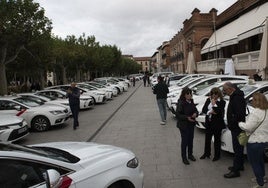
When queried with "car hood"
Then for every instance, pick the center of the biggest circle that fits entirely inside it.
(91, 153)
(9, 119)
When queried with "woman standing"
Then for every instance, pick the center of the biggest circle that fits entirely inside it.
(256, 126)
(186, 113)
(214, 110)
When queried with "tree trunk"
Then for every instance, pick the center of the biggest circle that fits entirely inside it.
(3, 79)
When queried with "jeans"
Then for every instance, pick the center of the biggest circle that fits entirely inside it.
(162, 104)
(75, 111)
(255, 153)
(187, 138)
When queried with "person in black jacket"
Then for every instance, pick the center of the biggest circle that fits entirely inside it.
(236, 112)
(186, 114)
(214, 110)
(73, 93)
(161, 91)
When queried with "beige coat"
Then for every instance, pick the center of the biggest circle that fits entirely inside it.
(253, 121)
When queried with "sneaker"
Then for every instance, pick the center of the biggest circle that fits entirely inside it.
(162, 123)
(255, 181)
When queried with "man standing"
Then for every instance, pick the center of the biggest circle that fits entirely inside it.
(161, 91)
(73, 93)
(236, 112)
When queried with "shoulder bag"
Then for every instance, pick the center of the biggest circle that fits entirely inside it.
(243, 137)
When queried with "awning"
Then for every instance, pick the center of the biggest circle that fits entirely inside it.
(245, 26)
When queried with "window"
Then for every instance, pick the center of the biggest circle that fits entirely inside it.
(23, 174)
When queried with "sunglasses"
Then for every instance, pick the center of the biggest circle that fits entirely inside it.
(214, 93)
(188, 93)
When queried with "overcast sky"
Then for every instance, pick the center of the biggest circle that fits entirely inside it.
(136, 27)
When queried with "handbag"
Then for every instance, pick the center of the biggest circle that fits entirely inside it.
(243, 137)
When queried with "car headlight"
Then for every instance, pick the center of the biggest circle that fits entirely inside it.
(133, 163)
(24, 122)
(56, 112)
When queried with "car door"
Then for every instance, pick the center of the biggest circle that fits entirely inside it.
(20, 173)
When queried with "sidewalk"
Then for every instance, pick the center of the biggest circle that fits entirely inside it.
(136, 126)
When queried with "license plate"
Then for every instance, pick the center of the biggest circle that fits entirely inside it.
(23, 129)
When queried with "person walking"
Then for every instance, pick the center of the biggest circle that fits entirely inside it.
(73, 93)
(133, 81)
(214, 123)
(186, 114)
(236, 112)
(161, 91)
(144, 80)
(256, 126)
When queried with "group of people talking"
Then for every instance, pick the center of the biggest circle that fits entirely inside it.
(255, 125)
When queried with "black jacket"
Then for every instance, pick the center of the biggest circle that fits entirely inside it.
(74, 97)
(236, 110)
(161, 90)
(215, 121)
(183, 111)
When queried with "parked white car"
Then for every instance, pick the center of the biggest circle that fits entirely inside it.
(203, 83)
(105, 87)
(47, 99)
(37, 115)
(97, 96)
(113, 84)
(69, 165)
(86, 102)
(12, 128)
(108, 94)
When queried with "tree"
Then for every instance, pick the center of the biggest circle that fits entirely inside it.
(21, 22)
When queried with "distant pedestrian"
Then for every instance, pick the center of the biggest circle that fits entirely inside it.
(148, 81)
(236, 112)
(214, 110)
(161, 91)
(257, 127)
(73, 93)
(133, 81)
(186, 113)
(49, 83)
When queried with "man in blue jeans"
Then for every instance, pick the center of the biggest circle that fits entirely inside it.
(161, 91)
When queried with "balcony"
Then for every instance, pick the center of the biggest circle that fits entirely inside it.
(244, 61)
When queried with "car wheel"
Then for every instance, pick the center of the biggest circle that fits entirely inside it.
(40, 123)
(122, 184)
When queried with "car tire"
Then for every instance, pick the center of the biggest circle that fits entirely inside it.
(122, 184)
(40, 123)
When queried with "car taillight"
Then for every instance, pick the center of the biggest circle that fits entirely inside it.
(66, 182)
(20, 112)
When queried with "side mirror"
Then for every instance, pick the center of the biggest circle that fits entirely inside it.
(17, 107)
(53, 178)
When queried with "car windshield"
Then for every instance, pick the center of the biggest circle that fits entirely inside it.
(48, 152)
(248, 89)
(28, 102)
